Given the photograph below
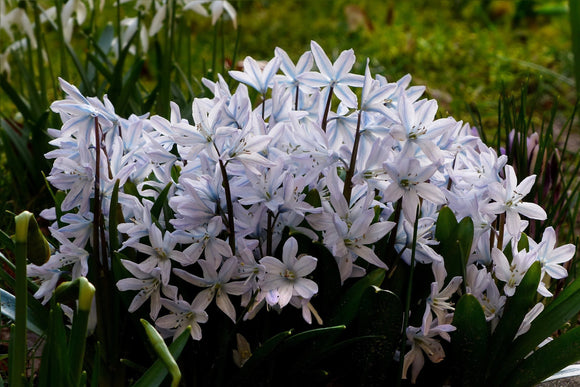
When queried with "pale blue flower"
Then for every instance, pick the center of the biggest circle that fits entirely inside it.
(336, 76)
(254, 76)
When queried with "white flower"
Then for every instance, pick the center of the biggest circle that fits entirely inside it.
(508, 199)
(218, 284)
(409, 182)
(550, 258)
(438, 301)
(148, 285)
(183, 315)
(335, 76)
(217, 7)
(511, 273)
(160, 253)
(254, 76)
(287, 276)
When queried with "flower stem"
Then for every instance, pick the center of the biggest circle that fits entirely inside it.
(230, 206)
(408, 298)
(263, 106)
(347, 190)
(296, 96)
(501, 230)
(271, 221)
(327, 109)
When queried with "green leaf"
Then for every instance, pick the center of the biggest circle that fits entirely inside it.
(25, 163)
(35, 321)
(381, 312)
(309, 336)
(469, 341)
(6, 242)
(105, 41)
(515, 310)
(54, 366)
(16, 99)
(348, 305)
(130, 84)
(446, 233)
(161, 200)
(547, 360)
(163, 352)
(552, 318)
(157, 372)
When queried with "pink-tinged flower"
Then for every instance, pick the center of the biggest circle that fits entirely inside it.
(508, 199)
(184, 314)
(287, 276)
(424, 343)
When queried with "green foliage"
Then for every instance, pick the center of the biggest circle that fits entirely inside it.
(455, 241)
(470, 341)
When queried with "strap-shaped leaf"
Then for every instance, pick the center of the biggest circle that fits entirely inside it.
(469, 341)
(547, 360)
(554, 316)
(35, 322)
(310, 336)
(348, 305)
(381, 312)
(513, 315)
(455, 241)
(160, 202)
(155, 375)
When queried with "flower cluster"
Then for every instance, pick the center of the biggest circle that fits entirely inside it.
(218, 201)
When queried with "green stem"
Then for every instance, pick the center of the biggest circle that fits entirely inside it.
(77, 343)
(408, 298)
(18, 364)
